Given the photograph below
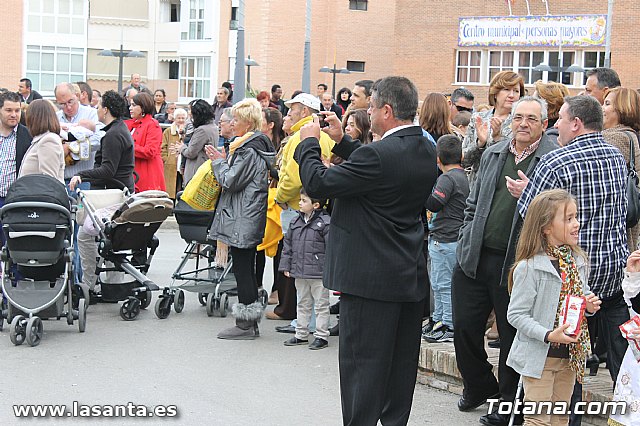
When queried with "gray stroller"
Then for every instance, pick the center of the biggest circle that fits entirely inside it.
(37, 221)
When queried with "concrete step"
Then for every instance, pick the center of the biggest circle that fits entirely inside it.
(437, 368)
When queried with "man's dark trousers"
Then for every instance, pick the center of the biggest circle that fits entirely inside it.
(472, 301)
(379, 348)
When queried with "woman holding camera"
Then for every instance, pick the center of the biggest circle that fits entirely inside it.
(241, 215)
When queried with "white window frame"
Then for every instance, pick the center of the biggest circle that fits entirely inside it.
(62, 56)
(468, 67)
(75, 18)
(195, 83)
(196, 24)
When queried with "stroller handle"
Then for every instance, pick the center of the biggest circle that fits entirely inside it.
(115, 182)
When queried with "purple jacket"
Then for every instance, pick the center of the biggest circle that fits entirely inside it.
(304, 246)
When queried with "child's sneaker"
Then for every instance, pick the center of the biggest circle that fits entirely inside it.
(444, 334)
(433, 331)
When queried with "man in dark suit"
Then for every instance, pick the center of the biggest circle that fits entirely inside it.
(27, 95)
(374, 256)
(14, 143)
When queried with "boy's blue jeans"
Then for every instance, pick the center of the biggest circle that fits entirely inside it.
(443, 260)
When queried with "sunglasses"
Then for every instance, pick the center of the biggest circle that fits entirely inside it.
(460, 108)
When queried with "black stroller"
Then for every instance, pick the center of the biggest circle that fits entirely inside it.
(123, 241)
(37, 272)
(213, 280)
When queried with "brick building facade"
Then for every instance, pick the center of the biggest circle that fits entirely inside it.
(416, 38)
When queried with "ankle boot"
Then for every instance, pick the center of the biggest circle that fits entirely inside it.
(247, 318)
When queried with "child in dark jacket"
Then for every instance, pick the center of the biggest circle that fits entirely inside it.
(303, 259)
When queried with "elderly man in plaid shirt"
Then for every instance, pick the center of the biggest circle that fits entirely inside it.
(595, 173)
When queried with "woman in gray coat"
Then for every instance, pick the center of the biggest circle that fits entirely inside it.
(241, 214)
(205, 133)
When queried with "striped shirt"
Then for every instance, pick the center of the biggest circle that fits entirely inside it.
(84, 113)
(8, 161)
(596, 174)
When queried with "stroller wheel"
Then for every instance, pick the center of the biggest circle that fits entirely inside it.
(34, 331)
(178, 301)
(17, 331)
(224, 305)
(4, 311)
(82, 315)
(212, 304)
(130, 309)
(263, 297)
(145, 299)
(202, 298)
(163, 307)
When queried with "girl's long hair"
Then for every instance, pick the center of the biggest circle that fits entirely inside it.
(540, 215)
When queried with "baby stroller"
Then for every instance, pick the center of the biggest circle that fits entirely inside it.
(37, 279)
(123, 240)
(214, 282)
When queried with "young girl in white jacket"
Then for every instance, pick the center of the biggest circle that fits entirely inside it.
(549, 267)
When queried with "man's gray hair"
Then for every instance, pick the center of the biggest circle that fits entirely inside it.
(227, 113)
(69, 86)
(587, 109)
(225, 90)
(399, 93)
(539, 101)
(462, 92)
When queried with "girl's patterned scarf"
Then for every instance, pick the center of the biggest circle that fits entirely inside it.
(571, 285)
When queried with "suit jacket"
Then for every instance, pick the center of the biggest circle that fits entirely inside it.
(376, 237)
(32, 97)
(479, 203)
(23, 142)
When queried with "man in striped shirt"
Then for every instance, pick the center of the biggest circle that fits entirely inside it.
(595, 173)
(14, 142)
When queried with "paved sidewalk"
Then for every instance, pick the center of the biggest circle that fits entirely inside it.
(437, 368)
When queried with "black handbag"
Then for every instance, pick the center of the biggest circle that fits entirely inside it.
(633, 197)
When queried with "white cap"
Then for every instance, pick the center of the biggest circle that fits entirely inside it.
(306, 100)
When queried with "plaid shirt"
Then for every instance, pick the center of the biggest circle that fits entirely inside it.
(596, 174)
(7, 161)
(525, 152)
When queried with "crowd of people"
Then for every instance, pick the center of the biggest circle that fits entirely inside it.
(516, 205)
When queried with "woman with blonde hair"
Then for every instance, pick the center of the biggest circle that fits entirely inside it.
(621, 113)
(241, 215)
(490, 127)
(171, 138)
(45, 155)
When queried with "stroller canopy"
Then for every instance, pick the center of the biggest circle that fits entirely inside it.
(38, 187)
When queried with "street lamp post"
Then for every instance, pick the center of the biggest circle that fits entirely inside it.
(121, 55)
(334, 71)
(250, 63)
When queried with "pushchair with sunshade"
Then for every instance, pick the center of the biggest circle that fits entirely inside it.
(123, 239)
(37, 221)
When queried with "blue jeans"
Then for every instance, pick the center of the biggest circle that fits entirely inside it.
(443, 260)
(77, 266)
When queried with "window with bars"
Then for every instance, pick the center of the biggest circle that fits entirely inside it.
(50, 65)
(56, 16)
(468, 64)
(358, 4)
(195, 74)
